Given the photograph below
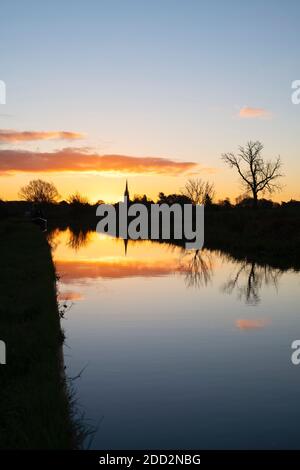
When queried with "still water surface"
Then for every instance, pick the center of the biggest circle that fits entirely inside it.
(180, 350)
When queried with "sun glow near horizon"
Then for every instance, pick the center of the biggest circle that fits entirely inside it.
(123, 102)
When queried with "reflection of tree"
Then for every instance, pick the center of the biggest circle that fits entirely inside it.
(249, 280)
(198, 267)
(79, 237)
(52, 238)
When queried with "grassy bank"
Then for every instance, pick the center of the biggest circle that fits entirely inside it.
(34, 406)
(264, 236)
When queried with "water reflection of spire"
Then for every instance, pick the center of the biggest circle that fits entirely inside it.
(125, 245)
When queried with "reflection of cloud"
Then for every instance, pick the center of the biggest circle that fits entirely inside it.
(69, 296)
(196, 266)
(251, 113)
(248, 324)
(27, 136)
(81, 270)
(70, 159)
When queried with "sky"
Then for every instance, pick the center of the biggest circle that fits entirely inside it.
(152, 91)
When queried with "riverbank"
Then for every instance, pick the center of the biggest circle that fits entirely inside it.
(35, 409)
(263, 236)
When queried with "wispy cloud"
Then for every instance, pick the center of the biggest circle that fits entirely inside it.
(251, 324)
(81, 160)
(12, 136)
(254, 113)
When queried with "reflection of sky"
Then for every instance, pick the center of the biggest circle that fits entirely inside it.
(174, 365)
(103, 257)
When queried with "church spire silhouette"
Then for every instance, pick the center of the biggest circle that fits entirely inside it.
(126, 192)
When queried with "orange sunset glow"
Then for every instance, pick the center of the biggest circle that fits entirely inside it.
(98, 175)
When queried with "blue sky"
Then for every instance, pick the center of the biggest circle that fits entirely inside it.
(154, 78)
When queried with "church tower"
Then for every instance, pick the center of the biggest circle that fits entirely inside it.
(126, 193)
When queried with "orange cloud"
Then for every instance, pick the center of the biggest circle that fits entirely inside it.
(247, 324)
(11, 136)
(80, 160)
(251, 113)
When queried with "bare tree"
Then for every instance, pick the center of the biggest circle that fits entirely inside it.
(257, 175)
(77, 199)
(39, 191)
(199, 191)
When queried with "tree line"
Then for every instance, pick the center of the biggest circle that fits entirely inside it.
(256, 174)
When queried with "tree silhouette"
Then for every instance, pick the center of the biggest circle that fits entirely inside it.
(173, 199)
(77, 199)
(199, 191)
(198, 267)
(79, 237)
(255, 277)
(257, 175)
(40, 192)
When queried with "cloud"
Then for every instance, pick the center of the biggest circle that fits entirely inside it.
(253, 113)
(80, 160)
(248, 324)
(11, 136)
